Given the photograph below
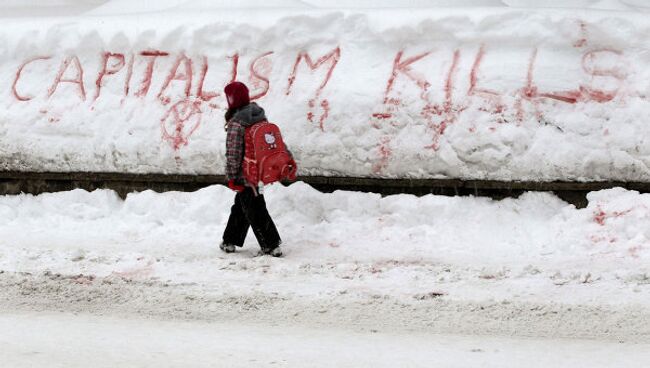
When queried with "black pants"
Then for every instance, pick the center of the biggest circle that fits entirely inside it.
(250, 211)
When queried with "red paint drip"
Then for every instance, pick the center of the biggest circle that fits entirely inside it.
(385, 153)
(326, 112)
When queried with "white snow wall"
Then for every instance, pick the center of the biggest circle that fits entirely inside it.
(440, 93)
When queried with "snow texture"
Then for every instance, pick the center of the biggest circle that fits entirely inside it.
(499, 92)
(533, 266)
(107, 342)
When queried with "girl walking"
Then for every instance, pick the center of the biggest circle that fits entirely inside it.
(249, 209)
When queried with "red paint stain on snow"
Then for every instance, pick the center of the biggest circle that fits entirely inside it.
(129, 75)
(404, 67)
(382, 116)
(448, 114)
(333, 57)
(152, 56)
(185, 117)
(200, 92)
(531, 93)
(493, 98)
(473, 76)
(78, 79)
(582, 41)
(600, 215)
(634, 251)
(184, 76)
(401, 66)
(143, 271)
(235, 67)
(260, 69)
(385, 152)
(108, 68)
(19, 72)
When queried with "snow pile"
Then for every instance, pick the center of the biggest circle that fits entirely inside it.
(487, 93)
(344, 242)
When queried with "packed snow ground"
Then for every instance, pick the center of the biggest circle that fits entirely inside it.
(89, 341)
(533, 266)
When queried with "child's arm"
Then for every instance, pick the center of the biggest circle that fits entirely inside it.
(234, 151)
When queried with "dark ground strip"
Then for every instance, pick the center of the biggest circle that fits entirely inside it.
(15, 182)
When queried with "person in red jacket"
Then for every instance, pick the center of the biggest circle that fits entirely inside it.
(249, 209)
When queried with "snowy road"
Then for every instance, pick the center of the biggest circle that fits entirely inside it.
(66, 340)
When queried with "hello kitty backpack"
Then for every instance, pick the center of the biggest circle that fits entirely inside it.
(266, 159)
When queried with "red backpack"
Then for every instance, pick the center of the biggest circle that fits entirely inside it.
(266, 159)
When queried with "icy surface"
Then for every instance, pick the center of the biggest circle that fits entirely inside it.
(84, 341)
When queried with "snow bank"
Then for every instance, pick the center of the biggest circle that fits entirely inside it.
(533, 266)
(488, 93)
(398, 245)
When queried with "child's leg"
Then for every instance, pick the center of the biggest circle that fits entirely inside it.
(263, 227)
(238, 224)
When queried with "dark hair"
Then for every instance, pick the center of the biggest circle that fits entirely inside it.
(229, 114)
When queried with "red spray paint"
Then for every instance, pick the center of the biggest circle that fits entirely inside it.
(385, 152)
(583, 93)
(200, 92)
(181, 114)
(391, 104)
(174, 75)
(333, 56)
(258, 78)
(153, 55)
(129, 75)
(235, 66)
(448, 114)
(19, 72)
(108, 69)
(78, 80)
